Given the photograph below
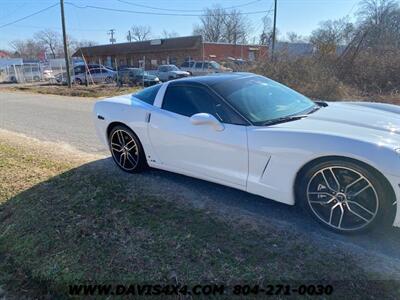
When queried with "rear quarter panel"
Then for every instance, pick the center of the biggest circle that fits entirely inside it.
(126, 110)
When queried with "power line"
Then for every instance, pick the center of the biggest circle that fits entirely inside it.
(185, 10)
(155, 13)
(28, 16)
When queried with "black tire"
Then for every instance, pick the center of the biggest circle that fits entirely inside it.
(78, 81)
(330, 192)
(129, 155)
(109, 79)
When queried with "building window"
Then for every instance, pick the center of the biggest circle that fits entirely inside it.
(252, 56)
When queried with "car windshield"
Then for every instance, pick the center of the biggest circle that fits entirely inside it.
(173, 68)
(262, 100)
(215, 65)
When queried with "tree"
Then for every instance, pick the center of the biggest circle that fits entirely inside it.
(380, 19)
(293, 37)
(332, 34)
(236, 27)
(51, 41)
(29, 49)
(169, 34)
(211, 24)
(266, 35)
(140, 33)
(219, 25)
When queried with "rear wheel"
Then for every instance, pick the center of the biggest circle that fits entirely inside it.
(126, 150)
(344, 196)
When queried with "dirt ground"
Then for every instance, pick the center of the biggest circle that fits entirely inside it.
(67, 217)
(94, 91)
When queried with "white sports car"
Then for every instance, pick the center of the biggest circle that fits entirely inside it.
(340, 161)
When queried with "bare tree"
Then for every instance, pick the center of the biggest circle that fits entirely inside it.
(51, 40)
(140, 32)
(266, 35)
(332, 34)
(381, 20)
(84, 43)
(212, 24)
(29, 49)
(294, 37)
(236, 27)
(169, 34)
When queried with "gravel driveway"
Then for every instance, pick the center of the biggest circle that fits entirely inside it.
(68, 120)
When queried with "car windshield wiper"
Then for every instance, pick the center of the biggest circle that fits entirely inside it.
(284, 119)
(315, 108)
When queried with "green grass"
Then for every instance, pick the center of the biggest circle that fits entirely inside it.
(62, 224)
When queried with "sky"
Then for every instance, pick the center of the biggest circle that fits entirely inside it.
(300, 16)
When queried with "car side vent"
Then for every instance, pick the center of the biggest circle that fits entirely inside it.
(265, 168)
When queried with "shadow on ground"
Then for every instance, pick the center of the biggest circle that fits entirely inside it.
(96, 221)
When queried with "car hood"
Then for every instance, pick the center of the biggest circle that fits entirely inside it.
(179, 72)
(149, 77)
(373, 122)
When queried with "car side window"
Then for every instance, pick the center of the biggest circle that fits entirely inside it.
(149, 94)
(190, 100)
(198, 65)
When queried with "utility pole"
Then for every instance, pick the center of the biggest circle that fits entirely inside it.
(65, 43)
(111, 33)
(129, 37)
(274, 32)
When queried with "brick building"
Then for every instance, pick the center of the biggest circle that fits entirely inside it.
(163, 51)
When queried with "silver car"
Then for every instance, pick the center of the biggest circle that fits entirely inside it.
(169, 72)
(96, 75)
(197, 68)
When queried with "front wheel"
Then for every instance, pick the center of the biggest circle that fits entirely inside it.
(344, 196)
(126, 150)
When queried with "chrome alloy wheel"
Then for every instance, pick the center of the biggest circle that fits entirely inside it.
(124, 150)
(342, 198)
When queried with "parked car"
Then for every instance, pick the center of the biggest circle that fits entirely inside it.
(136, 76)
(169, 72)
(339, 161)
(197, 68)
(32, 72)
(97, 75)
(48, 75)
(79, 69)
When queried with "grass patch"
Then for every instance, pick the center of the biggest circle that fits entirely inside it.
(62, 224)
(93, 91)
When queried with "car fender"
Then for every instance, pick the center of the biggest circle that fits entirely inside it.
(276, 157)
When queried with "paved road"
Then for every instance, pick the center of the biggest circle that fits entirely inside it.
(66, 119)
(51, 118)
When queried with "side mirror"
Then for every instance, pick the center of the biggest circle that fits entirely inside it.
(207, 119)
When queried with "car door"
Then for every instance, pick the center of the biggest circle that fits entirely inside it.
(199, 150)
(95, 75)
(198, 68)
(163, 74)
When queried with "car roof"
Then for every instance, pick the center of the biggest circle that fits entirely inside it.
(213, 79)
